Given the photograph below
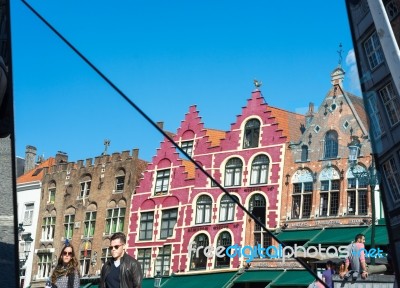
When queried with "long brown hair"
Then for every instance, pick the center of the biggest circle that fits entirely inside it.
(61, 270)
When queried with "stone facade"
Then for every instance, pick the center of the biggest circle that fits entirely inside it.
(84, 203)
(320, 189)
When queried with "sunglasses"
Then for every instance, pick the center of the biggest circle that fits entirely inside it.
(116, 247)
(65, 253)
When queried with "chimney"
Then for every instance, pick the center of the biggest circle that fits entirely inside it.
(160, 125)
(30, 155)
(61, 157)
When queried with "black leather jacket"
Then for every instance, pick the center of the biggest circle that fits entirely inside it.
(130, 272)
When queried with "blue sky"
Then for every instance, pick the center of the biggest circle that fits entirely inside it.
(166, 56)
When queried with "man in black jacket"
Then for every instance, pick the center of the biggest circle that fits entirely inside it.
(122, 271)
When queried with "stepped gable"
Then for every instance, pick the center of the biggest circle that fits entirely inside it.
(191, 126)
(166, 157)
(271, 129)
(193, 129)
(251, 109)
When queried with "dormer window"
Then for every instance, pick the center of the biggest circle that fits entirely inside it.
(251, 133)
(187, 146)
(162, 182)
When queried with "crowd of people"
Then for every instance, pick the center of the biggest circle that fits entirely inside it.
(123, 271)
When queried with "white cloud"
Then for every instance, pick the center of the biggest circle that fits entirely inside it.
(354, 81)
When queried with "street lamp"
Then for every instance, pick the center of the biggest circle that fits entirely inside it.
(27, 249)
(370, 175)
(157, 280)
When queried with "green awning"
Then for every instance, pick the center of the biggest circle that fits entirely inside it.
(337, 235)
(209, 280)
(293, 278)
(87, 285)
(258, 276)
(149, 282)
(298, 235)
(381, 235)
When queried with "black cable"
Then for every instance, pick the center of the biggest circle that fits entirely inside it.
(137, 108)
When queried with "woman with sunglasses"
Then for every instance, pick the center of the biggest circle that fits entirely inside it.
(66, 273)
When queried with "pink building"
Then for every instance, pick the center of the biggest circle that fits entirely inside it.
(177, 206)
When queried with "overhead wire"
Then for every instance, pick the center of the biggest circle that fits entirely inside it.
(168, 137)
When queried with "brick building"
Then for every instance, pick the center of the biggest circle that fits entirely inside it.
(176, 205)
(324, 202)
(85, 203)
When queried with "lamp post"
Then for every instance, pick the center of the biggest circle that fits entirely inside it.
(370, 175)
(27, 249)
(157, 280)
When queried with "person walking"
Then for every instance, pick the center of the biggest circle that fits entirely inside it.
(66, 273)
(122, 271)
(327, 274)
(356, 259)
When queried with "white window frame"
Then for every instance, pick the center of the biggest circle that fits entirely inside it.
(85, 189)
(28, 213)
(48, 227)
(115, 214)
(373, 51)
(44, 267)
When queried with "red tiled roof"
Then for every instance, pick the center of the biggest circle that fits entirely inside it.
(358, 104)
(189, 168)
(288, 122)
(36, 173)
(215, 136)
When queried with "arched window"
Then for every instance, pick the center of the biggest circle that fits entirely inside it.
(233, 172)
(304, 153)
(197, 259)
(357, 193)
(259, 170)
(203, 209)
(302, 194)
(329, 192)
(224, 240)
(258, 208)
(52, 192)
(251, 133)
(227, 209)
(331, 144)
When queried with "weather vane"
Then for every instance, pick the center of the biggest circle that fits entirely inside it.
(340, 54)
(106, 145)
(257, 83)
